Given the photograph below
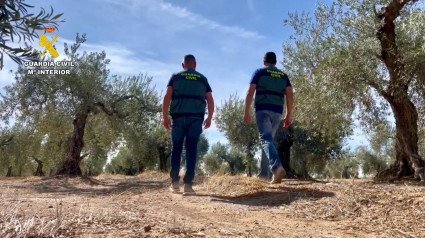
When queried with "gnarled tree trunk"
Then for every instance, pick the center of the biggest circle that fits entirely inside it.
(9, 172)
(39, 171)
(407, 161)
(163, 157)
(71, 163)
(231, 167)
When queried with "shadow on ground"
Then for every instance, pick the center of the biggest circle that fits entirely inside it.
(274, 198)
(91, 186)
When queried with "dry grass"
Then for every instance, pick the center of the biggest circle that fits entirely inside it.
(134, 206)
(387, 210)
(384, 209)
(234, 186)
(97, 224)
(14, 224)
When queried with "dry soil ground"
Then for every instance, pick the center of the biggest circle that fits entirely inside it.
(142, 206)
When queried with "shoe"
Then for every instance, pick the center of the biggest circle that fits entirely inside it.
(188, 190)
(175, 187)
(278, 175)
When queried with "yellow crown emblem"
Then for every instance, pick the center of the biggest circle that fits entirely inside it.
(49, 29)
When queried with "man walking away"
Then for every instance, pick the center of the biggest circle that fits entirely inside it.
(283, 140)
(187, 94)
(270, 86)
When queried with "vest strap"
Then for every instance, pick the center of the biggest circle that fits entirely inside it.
(269, 92)
(188, 97)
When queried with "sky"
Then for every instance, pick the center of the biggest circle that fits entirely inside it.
(228, 39)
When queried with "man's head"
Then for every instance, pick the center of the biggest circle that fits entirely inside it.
(189, 62)
(270, 59)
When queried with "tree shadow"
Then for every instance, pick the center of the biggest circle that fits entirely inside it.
(274, 198)
(94, 187)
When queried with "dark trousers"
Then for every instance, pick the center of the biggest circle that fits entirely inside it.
(189, 128)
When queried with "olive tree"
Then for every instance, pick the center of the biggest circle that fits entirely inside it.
(229, 120)
(366, 54)
(87, 91)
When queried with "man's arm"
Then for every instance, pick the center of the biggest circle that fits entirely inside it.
(210, 102)
(165, 105)
(248, 102)
(289, 106)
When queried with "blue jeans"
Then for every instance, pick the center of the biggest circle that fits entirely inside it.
(264, 166)
(268, 122)
(189, 127)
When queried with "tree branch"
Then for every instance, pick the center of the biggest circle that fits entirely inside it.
(6, 141)
(108, 111)
(381, 92)
(36, 160)
(387, 38)
(392, 11)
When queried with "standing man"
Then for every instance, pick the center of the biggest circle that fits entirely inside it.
(270, 86)
(187, 94)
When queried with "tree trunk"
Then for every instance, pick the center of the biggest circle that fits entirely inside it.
(231, 168)
(39, 171)
(304, 170)
(162, 159)
(9, 172)
(408, 161)
(249, 171)
(20, 171)
(345, 173)
(71, 163)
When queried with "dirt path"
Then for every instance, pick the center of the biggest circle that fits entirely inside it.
(142, 206)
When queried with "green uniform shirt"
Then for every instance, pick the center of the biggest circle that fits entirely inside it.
(271, 85)
(189, 89)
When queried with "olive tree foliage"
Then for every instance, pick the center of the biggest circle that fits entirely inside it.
(88, 96)
(99, 140)
(313, 149)
(345, 166)
(18, 24)
(210, 164)
(162, 140)
(381, 153)
(55, 129)
(370, 162)
(18, 157)
(222, 154)
(365, 54)
(150, 149)
(123, 163)
(242, 137)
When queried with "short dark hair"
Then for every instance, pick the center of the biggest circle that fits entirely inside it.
(270, 57)
(189, 58)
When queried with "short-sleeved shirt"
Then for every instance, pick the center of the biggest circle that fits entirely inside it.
(175, 76)
(256, 78)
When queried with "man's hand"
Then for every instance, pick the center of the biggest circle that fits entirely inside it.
(287, 121)
(207, 123)
(166, 122)
(248, 101)
(247, 117)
